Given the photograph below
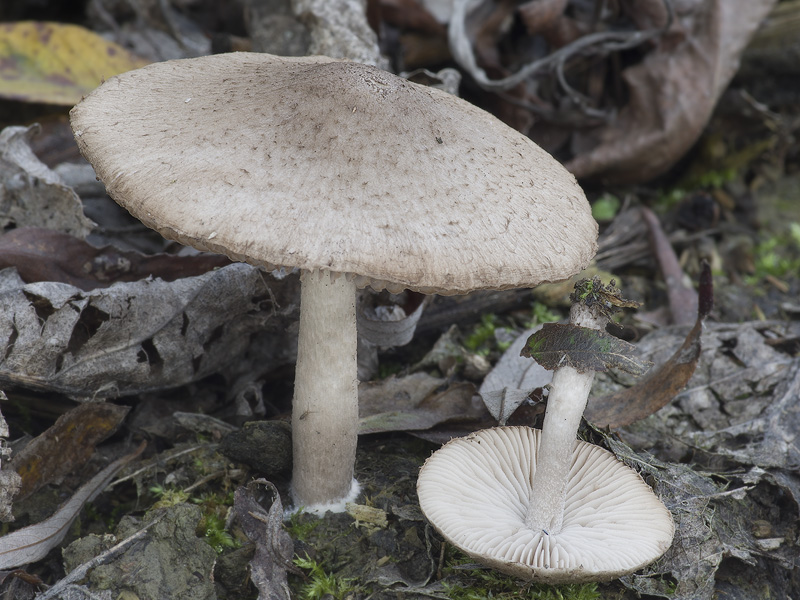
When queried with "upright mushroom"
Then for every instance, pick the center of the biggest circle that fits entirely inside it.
(353, 175)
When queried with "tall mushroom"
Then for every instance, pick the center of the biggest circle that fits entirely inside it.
(540, 504)
(353, 175)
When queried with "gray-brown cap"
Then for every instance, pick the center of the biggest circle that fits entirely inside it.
(323, 164)
(335, 168)
(475, 492)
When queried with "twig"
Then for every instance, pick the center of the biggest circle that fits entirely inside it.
(604, 42)
(157, 462)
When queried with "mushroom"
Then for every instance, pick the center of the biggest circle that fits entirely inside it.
(348, 173)
(476, 491)
(543, 505)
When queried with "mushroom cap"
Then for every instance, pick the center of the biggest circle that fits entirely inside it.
(323, 164)
(474, 491)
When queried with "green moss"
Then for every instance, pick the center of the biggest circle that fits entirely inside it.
(322, 584)
(777, 256)
(212, 528)
(464, 583)
(605, 208)
(482, 335)
(301, 528)
(489, 584)
(541, 313)
(212, 525)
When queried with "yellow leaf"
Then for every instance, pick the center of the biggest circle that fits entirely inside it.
(55, 63)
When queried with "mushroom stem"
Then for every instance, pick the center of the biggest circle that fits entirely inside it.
(569, 392)
(325, 404)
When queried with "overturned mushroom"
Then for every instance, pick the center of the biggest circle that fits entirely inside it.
(355, 176)
(543, 505)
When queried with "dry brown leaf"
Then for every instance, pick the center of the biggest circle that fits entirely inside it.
(47, 255)
(410, 14)
(512, 379)
(682, 299)
(31, 195)
(672, 93)
(66, 445)
(640, 401)
(582, 348)
(412, 404)
(130, 337)
(32, 543)
(274, 546)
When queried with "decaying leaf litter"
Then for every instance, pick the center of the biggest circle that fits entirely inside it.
(723, 456)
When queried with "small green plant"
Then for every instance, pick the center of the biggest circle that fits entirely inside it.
(605, 208)
(778, 256)
(212, 525)
(213, 529)
(708, 180)
(482, 335)
(541, 313)
(479, 584)
(168, 496)
(322, 584)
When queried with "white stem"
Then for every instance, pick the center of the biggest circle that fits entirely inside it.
(569, 392)
(325, 405)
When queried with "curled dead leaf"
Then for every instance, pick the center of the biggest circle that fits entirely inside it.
(32, 543)
(47, 255)
(653, 393)
(66, 445)
(274, 546)
(32, 195)
(131, 337)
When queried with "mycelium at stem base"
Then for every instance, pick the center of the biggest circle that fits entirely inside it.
(325, 404)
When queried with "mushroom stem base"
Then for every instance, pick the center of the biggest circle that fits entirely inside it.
(325, 404)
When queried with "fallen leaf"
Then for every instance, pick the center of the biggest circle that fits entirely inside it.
(32, 543)
(512, 379)
(56, 63)
(10, 481)
(66, 445)
(682, 299)
(672, 93)
(274, 546)
(32, 195)
(384, 321)
(47, 255)
(130, 337)
(653, 393)
(767, 441)
(556, 345)
(410, 410)
(714, 513)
